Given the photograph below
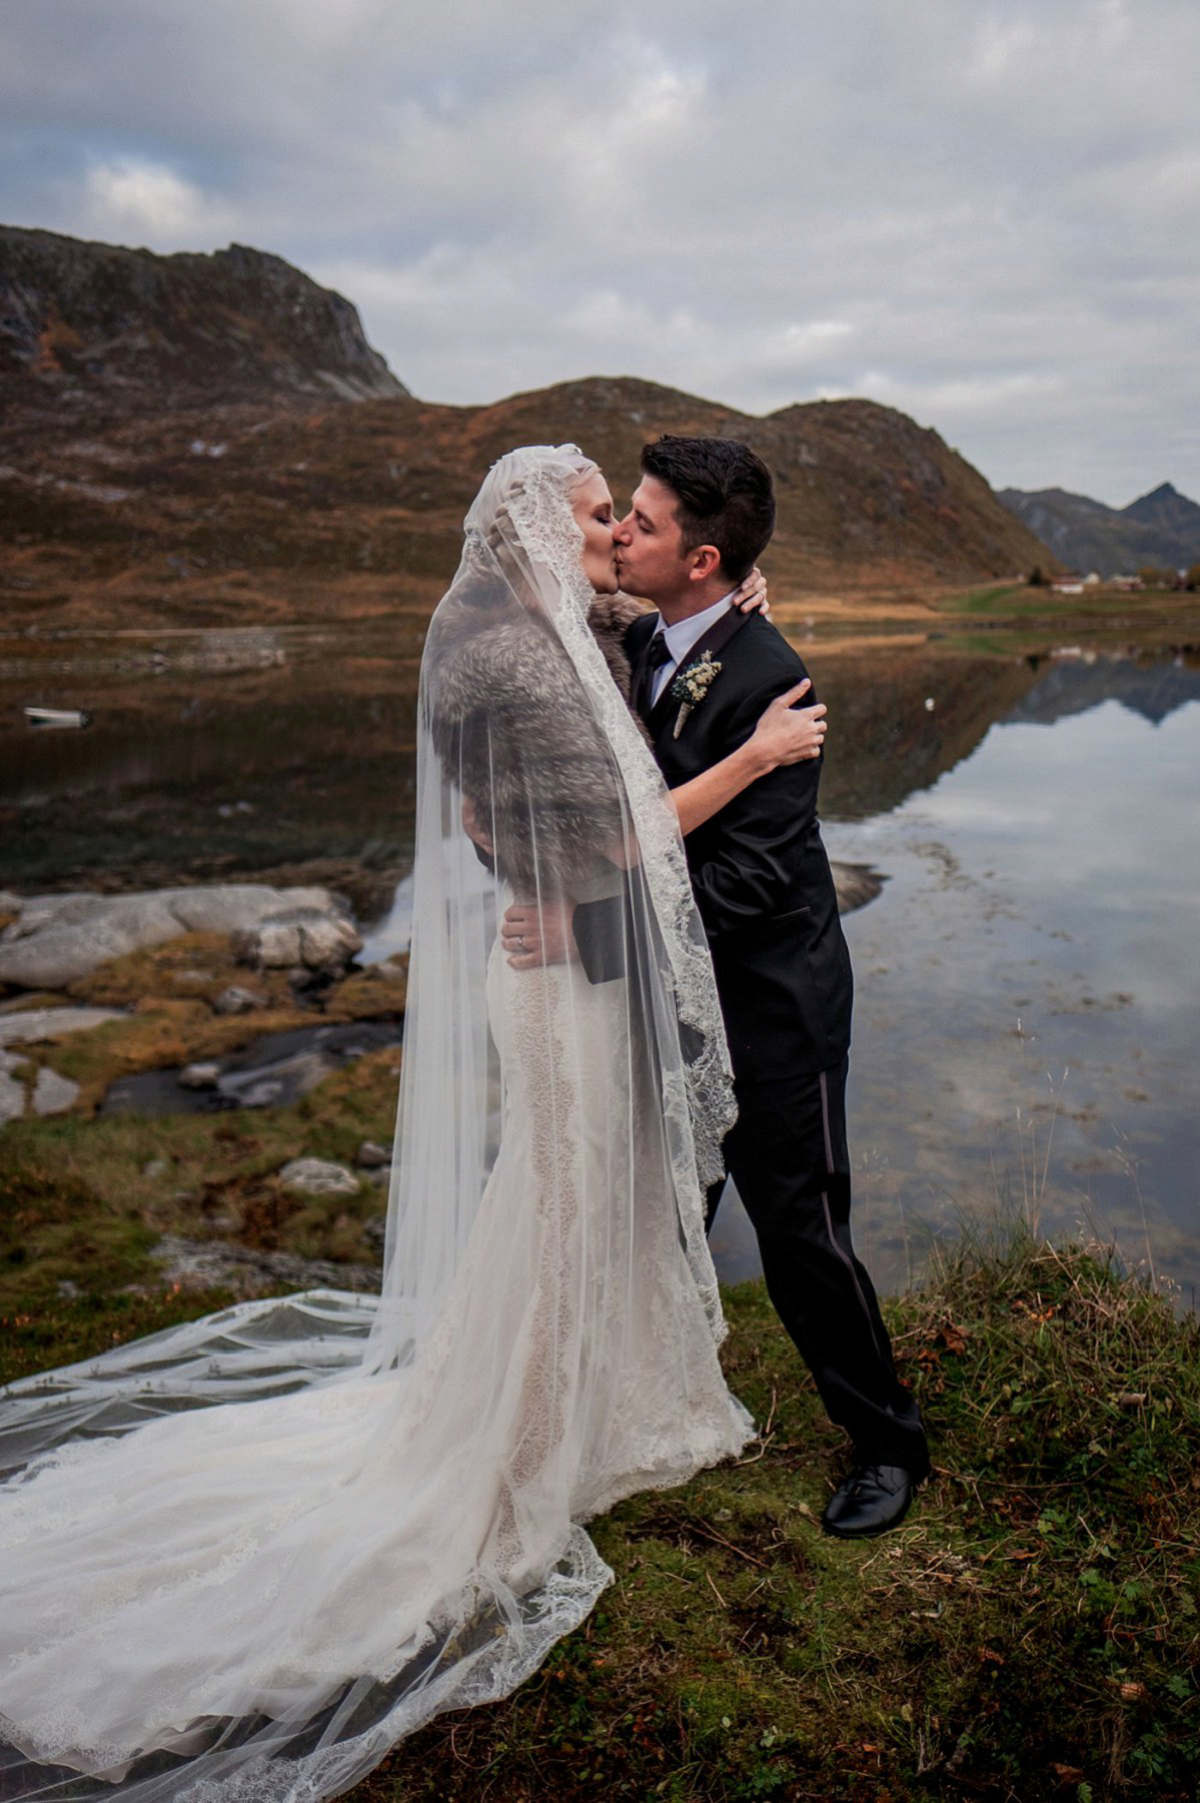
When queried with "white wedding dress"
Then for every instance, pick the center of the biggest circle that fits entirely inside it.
(240, 1560)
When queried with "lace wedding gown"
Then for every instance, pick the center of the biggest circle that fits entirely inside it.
(238, 1561)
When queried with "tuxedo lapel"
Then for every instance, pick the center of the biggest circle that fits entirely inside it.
(714, 639)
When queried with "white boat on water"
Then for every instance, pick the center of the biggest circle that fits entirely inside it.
(57, 716)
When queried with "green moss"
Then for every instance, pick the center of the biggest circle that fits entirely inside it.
(1030, 1632)
(84, 1202)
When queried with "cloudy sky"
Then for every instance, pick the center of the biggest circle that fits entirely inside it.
(985, 212)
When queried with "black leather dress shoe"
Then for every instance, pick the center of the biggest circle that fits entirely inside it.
(873, 1499)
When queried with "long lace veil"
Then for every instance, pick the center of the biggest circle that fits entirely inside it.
(241, 1558)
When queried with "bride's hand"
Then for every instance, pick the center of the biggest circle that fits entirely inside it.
(750, 596)
(533, 936)
(787, 734)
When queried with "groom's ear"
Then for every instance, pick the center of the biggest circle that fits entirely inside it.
(705, 561)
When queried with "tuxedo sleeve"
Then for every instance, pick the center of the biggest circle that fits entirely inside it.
(603, 934)
(749, 875)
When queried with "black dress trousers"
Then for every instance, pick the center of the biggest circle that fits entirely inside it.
(788, 1156)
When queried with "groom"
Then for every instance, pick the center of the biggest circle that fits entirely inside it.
(700, 518)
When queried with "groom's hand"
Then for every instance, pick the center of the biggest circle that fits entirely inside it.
(535, 936)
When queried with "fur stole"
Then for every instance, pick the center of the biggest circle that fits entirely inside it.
(610, 617)
(514, 731)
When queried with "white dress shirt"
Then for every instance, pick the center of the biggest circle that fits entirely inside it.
(680, 639)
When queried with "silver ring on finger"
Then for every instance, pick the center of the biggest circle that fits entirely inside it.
(521, 945)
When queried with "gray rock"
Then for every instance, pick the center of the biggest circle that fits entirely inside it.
(272, 946)
(305, 939)
(239, 1001)
(12, 1098)
(156, 1169)
(318, 1177)
(855, 885)
(371, 1155)
(282, 1081)
(328, 944)
(53, 1094)
(34, 1024)
(202, 1075)
(9, 903)
(10, 1062)
(211, 1264)
(59, 938)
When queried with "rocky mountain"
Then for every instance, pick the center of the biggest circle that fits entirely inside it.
(175, 446)
(91, 329)
(1162, 527)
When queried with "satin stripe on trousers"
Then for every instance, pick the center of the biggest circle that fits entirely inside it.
(789, 1158)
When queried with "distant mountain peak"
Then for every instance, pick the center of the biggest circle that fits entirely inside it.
(1164, 506)
(1161, 527)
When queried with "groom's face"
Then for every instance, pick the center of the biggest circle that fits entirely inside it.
(651, 560)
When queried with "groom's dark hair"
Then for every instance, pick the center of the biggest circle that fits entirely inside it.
(724, 496)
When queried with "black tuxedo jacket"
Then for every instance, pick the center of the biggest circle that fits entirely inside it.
(758, 867)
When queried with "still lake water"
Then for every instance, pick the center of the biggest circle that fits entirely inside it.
(1027, 1027)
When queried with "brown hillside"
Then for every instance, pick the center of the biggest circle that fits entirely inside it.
(177, 447)
(243, 513)
(866, 496)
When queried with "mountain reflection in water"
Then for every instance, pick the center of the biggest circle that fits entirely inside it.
(1026, 1025)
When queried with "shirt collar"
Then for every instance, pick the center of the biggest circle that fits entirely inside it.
(686, 633)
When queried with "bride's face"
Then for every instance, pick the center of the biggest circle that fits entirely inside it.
(592, 506)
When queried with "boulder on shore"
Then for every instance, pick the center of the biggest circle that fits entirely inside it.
(318, 1177)
(57, 939)
(855, 885)
(302, 937)
(53, 1094)
(31, 1026)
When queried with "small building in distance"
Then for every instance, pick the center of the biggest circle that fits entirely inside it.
(1069, 583)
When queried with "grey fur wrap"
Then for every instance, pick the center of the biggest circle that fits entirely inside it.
(515, 732)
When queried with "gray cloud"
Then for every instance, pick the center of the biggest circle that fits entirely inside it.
(985, 213)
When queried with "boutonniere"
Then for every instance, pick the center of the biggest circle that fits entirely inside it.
(691, 686)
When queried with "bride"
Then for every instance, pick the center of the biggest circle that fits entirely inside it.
(240, 1559)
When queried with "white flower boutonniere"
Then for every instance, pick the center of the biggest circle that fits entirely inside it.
(691, 686)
